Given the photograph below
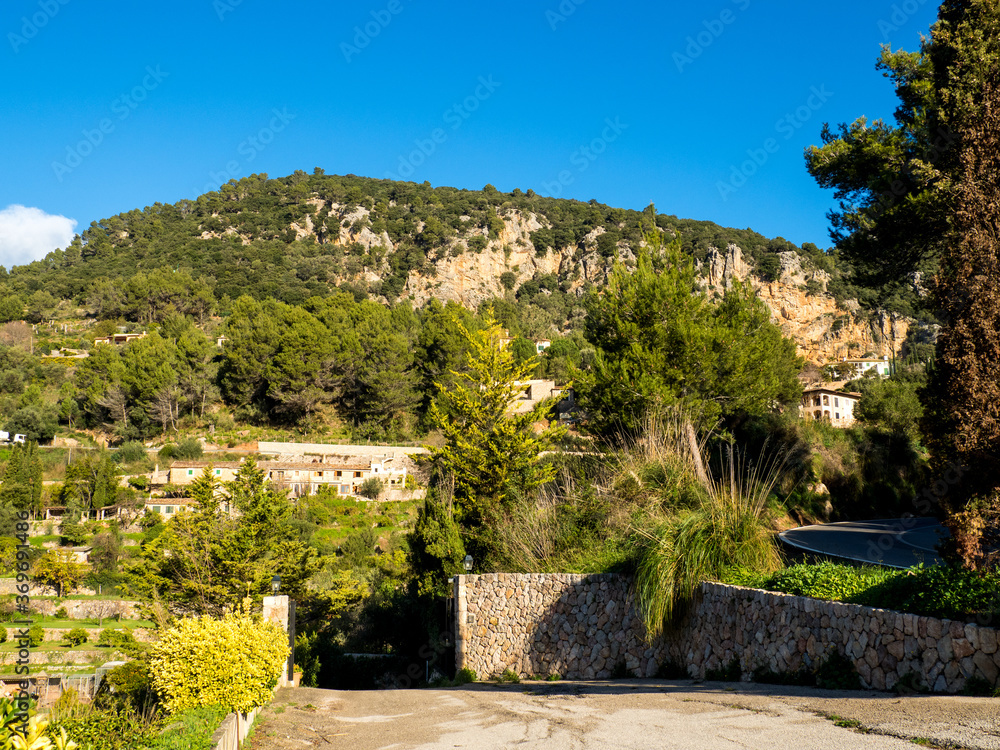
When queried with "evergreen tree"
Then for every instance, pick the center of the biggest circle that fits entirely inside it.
(661, 343)
(436, 549)
(491, 456)
(21, 485)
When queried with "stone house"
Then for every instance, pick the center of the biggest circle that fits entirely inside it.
(343, 473)
(835, 407)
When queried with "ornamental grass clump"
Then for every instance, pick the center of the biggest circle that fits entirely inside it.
(727, 527)
(233, 662)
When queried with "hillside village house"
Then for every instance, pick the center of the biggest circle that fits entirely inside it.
(835, 407)
(881, 366)
(343, 473)
(119, 339)
(170, 507)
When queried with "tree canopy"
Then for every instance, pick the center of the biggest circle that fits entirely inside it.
(661, 342)
(492, 455)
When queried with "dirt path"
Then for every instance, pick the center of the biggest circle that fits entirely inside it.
(640, 714)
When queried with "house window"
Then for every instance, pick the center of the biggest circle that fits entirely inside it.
(836, 402)
(170, 510)
(345, 489)
(826, 400)
(818, 415)
(816, 401)
(357, 474)
(838, 415)
(338, 473)
(319, 473)
(281, 474)
(156, 508)
(218, 472)
(190, 472)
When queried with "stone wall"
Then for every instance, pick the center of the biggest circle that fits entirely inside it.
(586, 627)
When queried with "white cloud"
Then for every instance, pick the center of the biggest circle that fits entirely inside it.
(28, 234)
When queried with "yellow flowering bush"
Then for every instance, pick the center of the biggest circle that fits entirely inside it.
(234, 662)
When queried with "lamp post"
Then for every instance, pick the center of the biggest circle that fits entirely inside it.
(467, 563)
(275, 585)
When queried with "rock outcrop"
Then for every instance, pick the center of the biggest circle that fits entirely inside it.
(823, 330)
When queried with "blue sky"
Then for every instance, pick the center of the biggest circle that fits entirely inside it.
(703, 108)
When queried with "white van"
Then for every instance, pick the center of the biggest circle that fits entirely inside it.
(19, 438)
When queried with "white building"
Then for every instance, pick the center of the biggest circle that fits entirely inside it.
(824, 404)
(882, 367)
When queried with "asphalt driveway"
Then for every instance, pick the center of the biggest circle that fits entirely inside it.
(623, 714)
(896, 542)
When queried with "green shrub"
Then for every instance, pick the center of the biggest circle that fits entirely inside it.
(233, 662)
(128, 687)
(109, 730)
(508, 677)
(943, 591)
(191, 729)
(130, 453)
(75, 637)
(188, 449)
(465, 675)
(35, 636)
(120, 640)
(3, 634)
(62, 614)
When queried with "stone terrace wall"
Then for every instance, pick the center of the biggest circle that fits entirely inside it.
(584, 627)
(580, 627)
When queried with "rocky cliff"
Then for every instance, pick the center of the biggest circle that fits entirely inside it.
(477, 265)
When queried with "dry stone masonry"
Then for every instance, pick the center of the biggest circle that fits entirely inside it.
(586, 627)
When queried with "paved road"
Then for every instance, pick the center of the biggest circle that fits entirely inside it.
(620, 715)
(896, 542)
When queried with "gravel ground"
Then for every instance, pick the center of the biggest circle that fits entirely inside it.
(640, 714)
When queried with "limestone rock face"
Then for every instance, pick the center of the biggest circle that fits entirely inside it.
(724, 268)
(823, 330)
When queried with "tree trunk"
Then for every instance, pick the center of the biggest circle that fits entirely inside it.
(695, 449)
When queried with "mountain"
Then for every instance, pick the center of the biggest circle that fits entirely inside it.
(311, 235)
